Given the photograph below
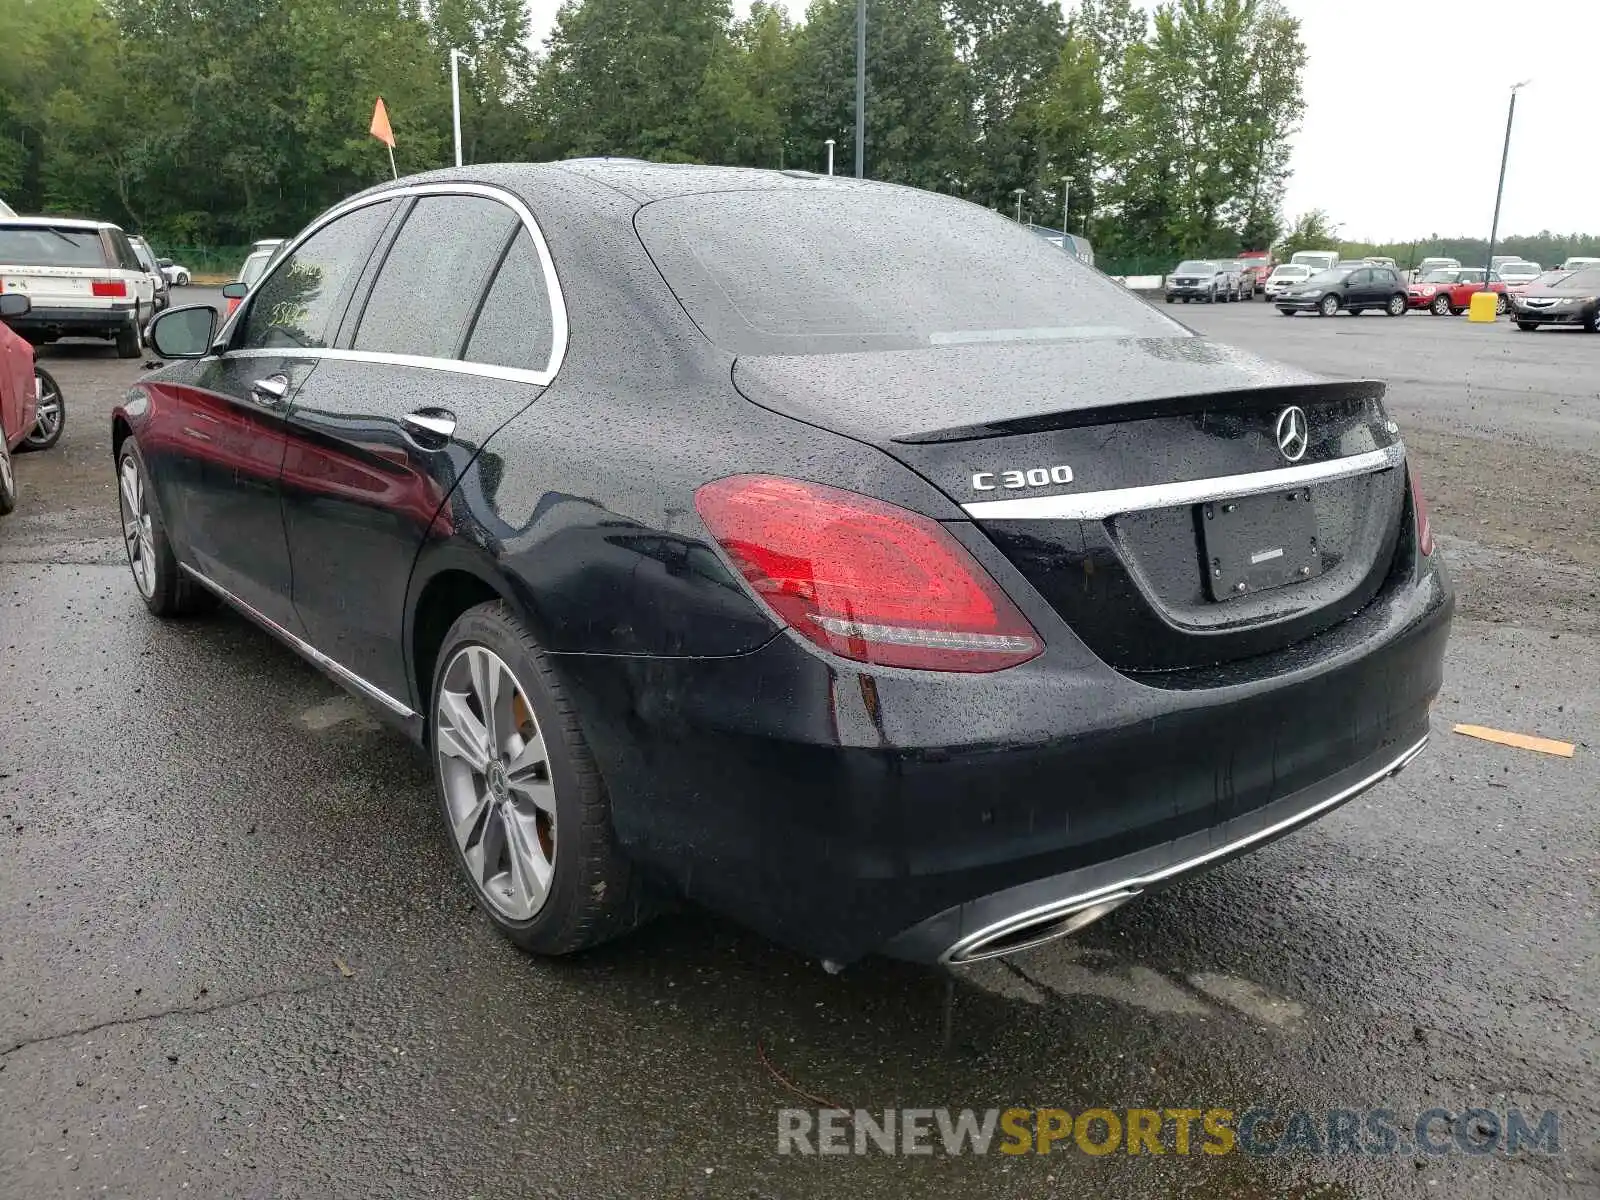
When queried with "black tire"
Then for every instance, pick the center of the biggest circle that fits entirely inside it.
(1500, 305)
(46, 433)
(1328, 306)
(8, 479)
(1169, 299)
(1591, 323)
(128, 342)
(1439, 306)
(1355, 312)
(1288, 312)
(1397, 305)
(1528, 326)
(172, 593)
(594, 893)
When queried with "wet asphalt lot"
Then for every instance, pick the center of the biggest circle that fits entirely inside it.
(197, 830)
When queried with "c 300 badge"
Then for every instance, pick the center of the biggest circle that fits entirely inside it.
(1033, 477)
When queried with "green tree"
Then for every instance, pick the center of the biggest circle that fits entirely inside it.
(1010, 49)
(627, 77)
(1313, 230)
(916, 115)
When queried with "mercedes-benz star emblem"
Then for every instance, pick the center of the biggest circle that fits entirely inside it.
(1294, 434)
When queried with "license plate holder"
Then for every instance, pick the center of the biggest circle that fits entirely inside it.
(1257, 543)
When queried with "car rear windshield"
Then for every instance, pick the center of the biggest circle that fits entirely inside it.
(50, 246)
(835, 268)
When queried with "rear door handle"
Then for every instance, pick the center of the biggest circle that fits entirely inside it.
(431, 424)
(269, 392)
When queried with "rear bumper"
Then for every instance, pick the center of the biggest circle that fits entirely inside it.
(1036, 912)
(70, 322)
(848, 811)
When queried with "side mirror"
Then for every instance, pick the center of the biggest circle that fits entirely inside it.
(14, 304)
(183, 332)
(235, 290)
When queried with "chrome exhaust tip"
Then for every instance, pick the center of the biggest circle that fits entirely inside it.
(1026, 930)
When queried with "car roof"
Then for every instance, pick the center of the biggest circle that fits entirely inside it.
(642, 182)
(57, 223)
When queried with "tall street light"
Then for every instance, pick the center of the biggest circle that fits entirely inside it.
(830, 156)
(1066, 196)
(1505, 153)
(457, 57)
(1020, 193)
(861, 89)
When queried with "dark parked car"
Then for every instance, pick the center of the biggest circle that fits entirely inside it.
(1560, 298)
(1353, 288)
(1200, 279)
(816, 550)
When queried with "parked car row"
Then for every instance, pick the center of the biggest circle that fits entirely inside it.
(1213, 282)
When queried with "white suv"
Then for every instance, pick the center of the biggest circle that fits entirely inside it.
(83, 277)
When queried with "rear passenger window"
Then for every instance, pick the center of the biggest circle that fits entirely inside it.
(428, 289)
(515, 329)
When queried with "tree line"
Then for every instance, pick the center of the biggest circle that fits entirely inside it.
(217, 121)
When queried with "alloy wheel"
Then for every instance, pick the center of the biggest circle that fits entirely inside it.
(47, 425)
(1397, 306)
(1440, 306)
(138, 532)
(1329, 306)
(495, 772)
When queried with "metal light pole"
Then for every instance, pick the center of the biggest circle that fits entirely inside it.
(1020, 192)
(456, 56)
(1066, 196)
(861, 89)
(830, 156)
(1505, 153)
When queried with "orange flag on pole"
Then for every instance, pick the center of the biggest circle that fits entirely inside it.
(380, 125)
(380, 130)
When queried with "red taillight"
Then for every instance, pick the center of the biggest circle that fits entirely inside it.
(109, 287)
(1420, 507)
(864, 579)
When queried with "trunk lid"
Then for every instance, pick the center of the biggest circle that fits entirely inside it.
(1138, 484)
(63, 287)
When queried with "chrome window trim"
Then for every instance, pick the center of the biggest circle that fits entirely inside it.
(302, 647)
(969, 948)
(559, 328)
(1096, 506)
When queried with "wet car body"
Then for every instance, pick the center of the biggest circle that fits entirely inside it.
(1164, 718)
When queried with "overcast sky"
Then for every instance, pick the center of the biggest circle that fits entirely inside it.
(1405, 114)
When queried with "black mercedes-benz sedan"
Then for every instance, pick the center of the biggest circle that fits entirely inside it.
(834, 555)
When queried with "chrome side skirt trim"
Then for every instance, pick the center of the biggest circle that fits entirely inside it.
(1096, 506)
(304, 648)
(970, 948)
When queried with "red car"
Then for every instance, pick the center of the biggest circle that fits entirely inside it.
(18, 404)
(1450, 289)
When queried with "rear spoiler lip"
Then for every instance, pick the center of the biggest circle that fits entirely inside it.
(1277, 396)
